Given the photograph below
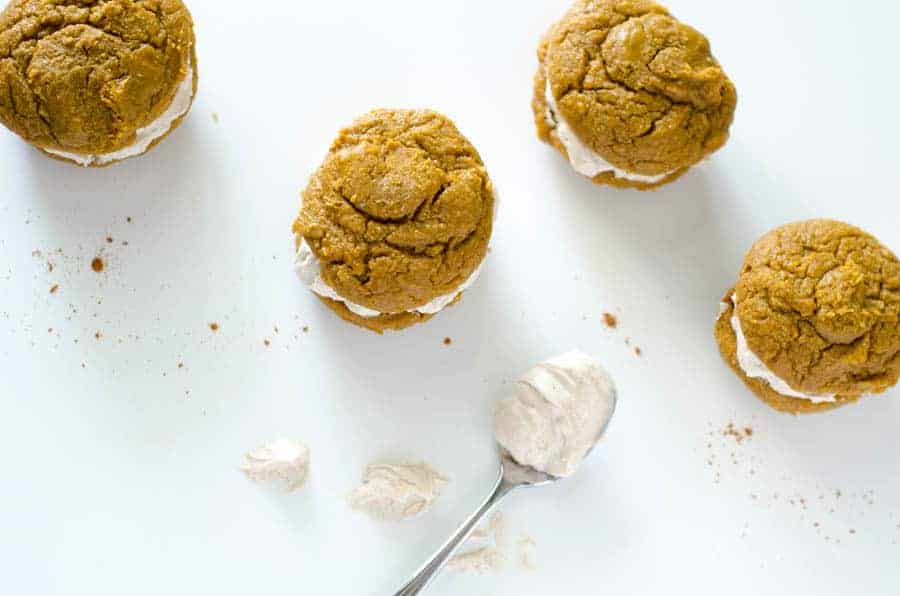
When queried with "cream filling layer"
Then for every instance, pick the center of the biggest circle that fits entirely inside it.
(755, 368)
(585, 160)
(145, 136)
(309, 270)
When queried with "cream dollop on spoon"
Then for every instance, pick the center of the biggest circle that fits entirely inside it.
(557, 414)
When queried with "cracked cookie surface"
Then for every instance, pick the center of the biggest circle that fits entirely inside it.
(82, 76)
(399, 213)
(819, 304)
(638, 87)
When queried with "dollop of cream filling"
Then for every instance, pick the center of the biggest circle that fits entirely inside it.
(755, 368)
(585, 160)
(281, 460)
(557, 413)
(309, 271)
(145, 136)
(396, 491)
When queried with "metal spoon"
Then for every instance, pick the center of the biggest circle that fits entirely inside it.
(512, 476)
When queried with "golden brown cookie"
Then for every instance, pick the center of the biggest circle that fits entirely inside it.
(639, 97)
(96, 81)
(818, 303)
(396, 221)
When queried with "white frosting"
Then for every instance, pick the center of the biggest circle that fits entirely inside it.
(145, 136)
(281, 460)
(755, 368)
(309, 271)
(585, 160)
(395, 492)
(557, 414)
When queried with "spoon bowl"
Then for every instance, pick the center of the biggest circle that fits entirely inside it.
(520, 475)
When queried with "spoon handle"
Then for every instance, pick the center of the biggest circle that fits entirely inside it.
(429, 571)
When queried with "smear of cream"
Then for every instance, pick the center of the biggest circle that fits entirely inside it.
(486, 549)
(397, 491)
(281, 461)
(527, 546)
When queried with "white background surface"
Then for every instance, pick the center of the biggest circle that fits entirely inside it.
(119, 467)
